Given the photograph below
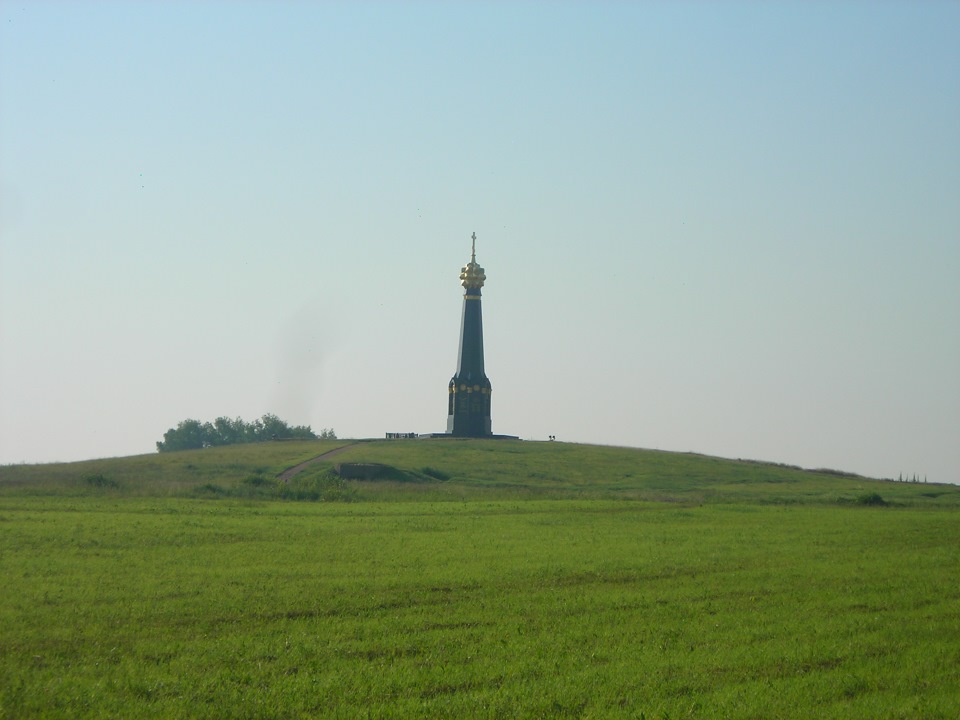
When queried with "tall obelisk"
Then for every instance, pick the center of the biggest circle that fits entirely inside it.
(468, 402)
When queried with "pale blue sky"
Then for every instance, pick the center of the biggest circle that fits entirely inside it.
(731, 228)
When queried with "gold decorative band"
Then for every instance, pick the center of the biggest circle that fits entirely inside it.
(471, 297)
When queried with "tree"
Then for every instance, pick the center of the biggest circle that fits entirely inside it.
(192, 434)
(188, 435)
(229, 432)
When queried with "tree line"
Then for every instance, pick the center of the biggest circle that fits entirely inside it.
(193, 434)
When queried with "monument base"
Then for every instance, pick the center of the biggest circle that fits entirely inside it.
(460, 437)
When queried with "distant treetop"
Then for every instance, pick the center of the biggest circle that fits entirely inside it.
(192, 434)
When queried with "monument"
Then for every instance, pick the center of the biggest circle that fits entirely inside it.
(468, 396)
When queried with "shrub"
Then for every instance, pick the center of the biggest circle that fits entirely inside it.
(100, 481)
(870, 499)
(324, 487)
(210, 489)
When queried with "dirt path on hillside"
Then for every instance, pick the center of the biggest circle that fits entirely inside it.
(290, 472)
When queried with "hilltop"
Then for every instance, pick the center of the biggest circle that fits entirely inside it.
(459, 469)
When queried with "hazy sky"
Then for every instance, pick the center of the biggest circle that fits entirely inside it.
(730, 228)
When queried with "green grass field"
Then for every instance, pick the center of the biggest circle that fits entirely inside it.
(536, 580)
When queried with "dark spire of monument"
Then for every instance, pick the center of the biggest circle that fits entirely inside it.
(468, 402)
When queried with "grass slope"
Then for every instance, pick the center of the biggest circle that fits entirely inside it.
(161, 474)
(552, 580)
(450, 469)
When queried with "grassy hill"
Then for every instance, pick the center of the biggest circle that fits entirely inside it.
(481, 579)
(448, 469)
